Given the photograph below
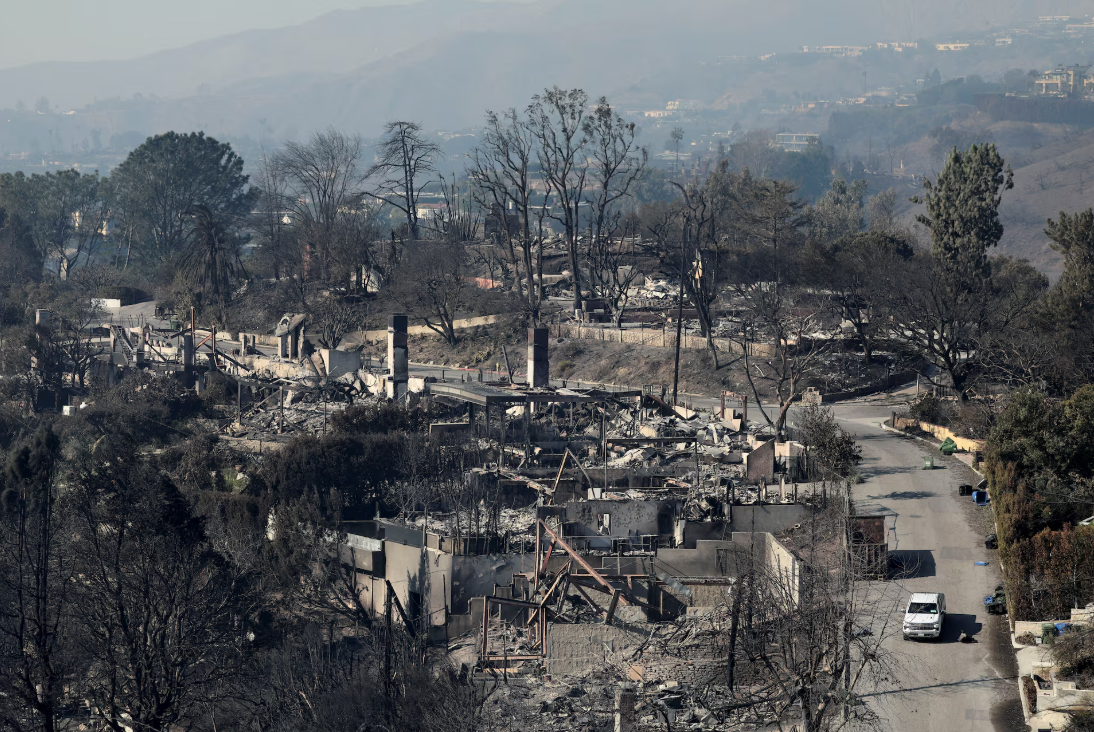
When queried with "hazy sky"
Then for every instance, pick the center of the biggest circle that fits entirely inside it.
(90, 30)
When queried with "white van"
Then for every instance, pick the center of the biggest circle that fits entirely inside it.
(924, 616)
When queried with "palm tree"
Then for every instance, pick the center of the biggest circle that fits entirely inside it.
(212, 257)
(677, 136)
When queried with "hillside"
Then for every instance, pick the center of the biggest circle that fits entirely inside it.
(1058, 176)
(329, 45)
(360, 67)
(1053, 171)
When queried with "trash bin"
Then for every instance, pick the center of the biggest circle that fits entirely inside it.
(928, 463)
(948, 447)
(1048, 634)
(964, 489)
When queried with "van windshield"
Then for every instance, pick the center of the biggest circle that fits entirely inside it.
(922, 608)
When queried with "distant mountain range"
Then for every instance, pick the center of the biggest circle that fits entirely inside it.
(444, 62)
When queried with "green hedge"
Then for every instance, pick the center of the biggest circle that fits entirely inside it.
(1038, 459)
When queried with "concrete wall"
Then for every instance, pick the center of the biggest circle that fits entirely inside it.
(707, 594)
(900, 377)
(665, 338)
(777, 560)
(939, 433)
(361, 336)
(760, 463)
(707, 559)
(412, 569)
(339, 363)
(476, 576)
(770, 518)
(439, 576)
(628, 518)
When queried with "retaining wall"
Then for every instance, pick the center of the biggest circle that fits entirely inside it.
(939, 433)
(663, 338)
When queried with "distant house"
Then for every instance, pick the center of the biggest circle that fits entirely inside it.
(1069, 81)
(428, 211)
(496, 223)
(796, 142)
(951, 46)
(836, 50)
(681, 104)
(897, 46)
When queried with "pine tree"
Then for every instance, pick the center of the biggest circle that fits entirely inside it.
(963, 210)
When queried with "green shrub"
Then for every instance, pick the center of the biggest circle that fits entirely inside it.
(382, 418)
(929, 408)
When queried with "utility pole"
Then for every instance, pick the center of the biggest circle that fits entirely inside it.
(679, 318)
(604, 440)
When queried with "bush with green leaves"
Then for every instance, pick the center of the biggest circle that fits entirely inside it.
(1041, 480)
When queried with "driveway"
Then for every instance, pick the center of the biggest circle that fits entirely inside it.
(946, 685)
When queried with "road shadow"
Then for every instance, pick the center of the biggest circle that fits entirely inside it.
(867, 471)
(877, 436)
(911, 563)
(903, 495)
(956, 623)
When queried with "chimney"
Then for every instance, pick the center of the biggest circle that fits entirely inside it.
(397, 359)
(538, 366)
(625, 717)
(187, 351)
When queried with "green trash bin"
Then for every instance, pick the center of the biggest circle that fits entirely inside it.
(175, 324)
(948, 447)
(928, 463)
(1048, 634)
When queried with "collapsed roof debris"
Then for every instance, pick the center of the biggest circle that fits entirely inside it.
(596, 544)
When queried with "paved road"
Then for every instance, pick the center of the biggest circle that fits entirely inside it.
(948, 685)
